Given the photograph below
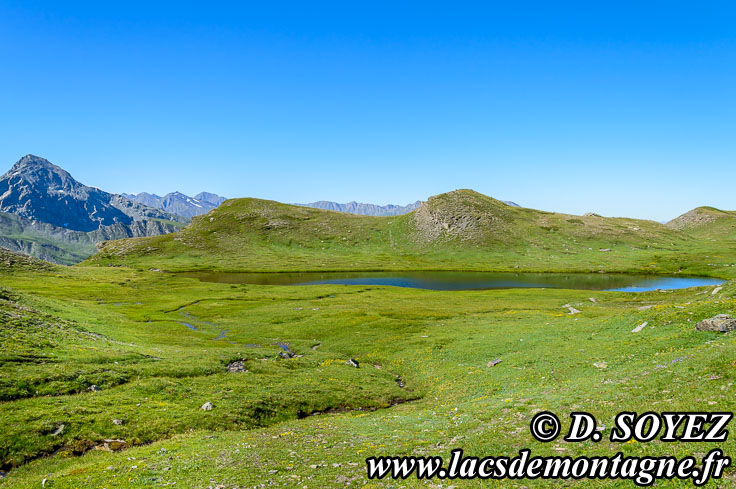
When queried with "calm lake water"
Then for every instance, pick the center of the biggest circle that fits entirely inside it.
(463, 280)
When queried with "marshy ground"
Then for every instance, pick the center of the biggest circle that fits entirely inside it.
(423, 387)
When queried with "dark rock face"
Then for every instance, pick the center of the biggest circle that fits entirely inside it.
(36, 189)
(722, 323)
(178, 203)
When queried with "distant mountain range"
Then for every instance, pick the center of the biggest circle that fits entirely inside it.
(372, 209)
(178, 203)
(364, 209)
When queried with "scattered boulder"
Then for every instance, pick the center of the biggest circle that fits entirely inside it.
(722, 323)
(644, 308)
(237, 366)
(493, 363)
(716, 290)
(94, 388)
(573, 310)
(58, 430)
(605, 250)
(640, 327)
(600, 365)
(113, 445)
(118, 422)
(207, 406)
(353, 363)
(400, 382)
(592, 299)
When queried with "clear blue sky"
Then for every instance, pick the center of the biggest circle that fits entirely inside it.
(613, 107)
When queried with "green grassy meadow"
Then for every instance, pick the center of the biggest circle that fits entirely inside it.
(156, 347)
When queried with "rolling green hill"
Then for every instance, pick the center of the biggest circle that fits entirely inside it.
(460, 230)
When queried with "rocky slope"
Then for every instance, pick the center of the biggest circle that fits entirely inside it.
(36, 189)
(178, 203)
(707, 222)
(66, 246)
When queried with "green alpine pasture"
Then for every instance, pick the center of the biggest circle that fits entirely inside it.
(105, 367)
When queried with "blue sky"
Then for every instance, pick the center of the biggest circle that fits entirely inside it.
(614, 107)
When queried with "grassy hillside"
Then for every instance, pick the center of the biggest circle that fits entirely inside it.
(457, 230)
(312, 419)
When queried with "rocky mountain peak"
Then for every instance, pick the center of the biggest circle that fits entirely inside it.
(36, 189)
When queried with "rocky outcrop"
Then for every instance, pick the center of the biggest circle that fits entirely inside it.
(464, 215)
(722, 323)
(694, 218)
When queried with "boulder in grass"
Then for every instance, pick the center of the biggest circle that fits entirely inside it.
(207, 406)
(640, 327)
(353, 363)
(722, 323)
(237, 366)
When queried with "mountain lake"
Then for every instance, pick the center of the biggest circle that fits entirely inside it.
(447, 280)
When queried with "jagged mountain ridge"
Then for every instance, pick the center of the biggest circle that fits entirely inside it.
(179, 203)
(362, 209)
(37, 189)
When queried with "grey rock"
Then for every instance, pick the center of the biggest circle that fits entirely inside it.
(400, 382)
(94, 388)
(722, 323)
(640, 327)
(118, 422)
(353, 363)
(58, 430)
(113, 445)
(207, 406)
(493, 363)
(237, 366)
